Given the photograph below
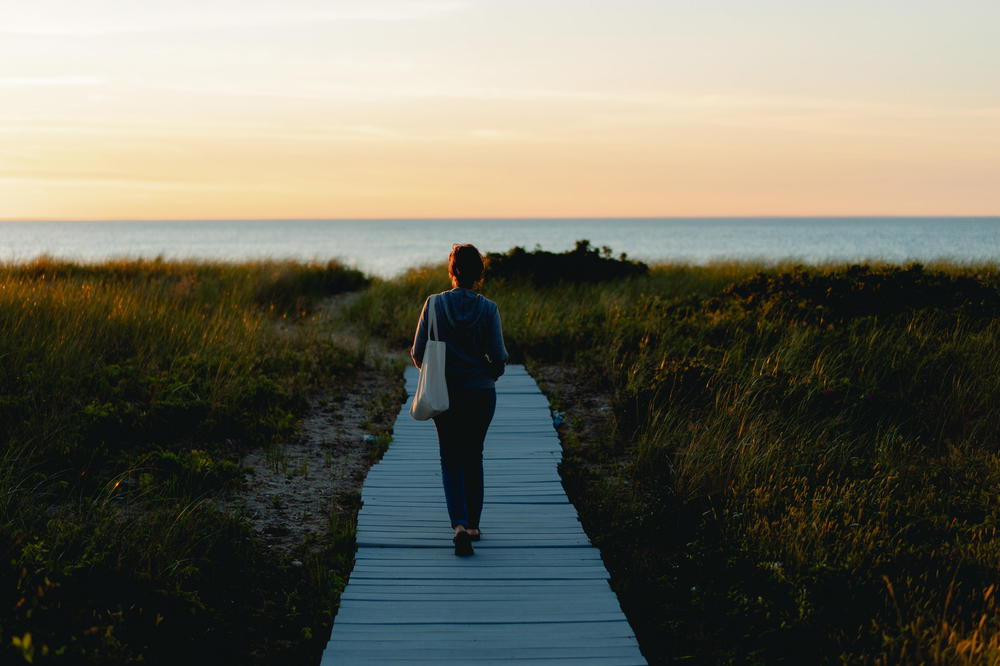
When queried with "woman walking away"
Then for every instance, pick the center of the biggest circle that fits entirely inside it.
(469, 324)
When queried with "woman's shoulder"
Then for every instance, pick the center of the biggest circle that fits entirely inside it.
(490, 305)
(457, 295)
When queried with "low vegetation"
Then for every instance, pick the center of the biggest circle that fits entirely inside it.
(799, 463)
(583, 263)
(128, 392)
(796, 464)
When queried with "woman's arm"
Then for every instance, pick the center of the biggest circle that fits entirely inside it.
(496, 352)
(420, 337)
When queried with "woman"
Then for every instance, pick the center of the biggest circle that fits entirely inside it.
(469, 324)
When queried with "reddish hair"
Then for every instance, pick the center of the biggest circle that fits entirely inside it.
(465, 265)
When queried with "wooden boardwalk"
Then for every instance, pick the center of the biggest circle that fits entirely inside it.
(535, 592)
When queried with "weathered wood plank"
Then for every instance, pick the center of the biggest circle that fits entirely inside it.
(448, 575)
(474, 657)
(536, 591)
(555, 631)
(489, 555)
(460, 652)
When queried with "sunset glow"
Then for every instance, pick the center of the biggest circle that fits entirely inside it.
(308, 108)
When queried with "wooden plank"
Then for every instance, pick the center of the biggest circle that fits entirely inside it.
(536, 592)
(447, 573)
(612, 630)
(571, 587)
(333, 659)
(388, 501)
(489, 555)
(498, 524)
(495, 536)
(579, 594)
(379, 541)
(496, 540)
(459, 651)
(436, 611)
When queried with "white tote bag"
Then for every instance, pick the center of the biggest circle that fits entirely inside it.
(431, 397)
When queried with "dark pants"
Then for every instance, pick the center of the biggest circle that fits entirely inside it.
(461, 431)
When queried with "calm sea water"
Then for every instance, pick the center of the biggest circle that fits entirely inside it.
(386, 247)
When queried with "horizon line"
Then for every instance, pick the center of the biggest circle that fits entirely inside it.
(496, 218)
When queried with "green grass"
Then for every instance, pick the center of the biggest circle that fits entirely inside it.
(801, 463)
(128, 391)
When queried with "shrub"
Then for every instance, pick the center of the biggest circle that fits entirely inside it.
(581, 264)
(859, 291)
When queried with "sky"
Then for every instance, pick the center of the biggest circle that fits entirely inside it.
(200, 109)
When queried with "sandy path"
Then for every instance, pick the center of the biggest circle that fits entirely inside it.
(295, 494)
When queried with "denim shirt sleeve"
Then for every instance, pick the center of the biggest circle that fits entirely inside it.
(420, 337)
(497, 352)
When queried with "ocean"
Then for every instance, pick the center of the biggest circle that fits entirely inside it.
(387, 247)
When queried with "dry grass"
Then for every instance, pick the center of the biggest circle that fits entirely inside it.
(128, 390)
(812, 452)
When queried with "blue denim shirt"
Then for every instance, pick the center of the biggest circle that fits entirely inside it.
(469, 324)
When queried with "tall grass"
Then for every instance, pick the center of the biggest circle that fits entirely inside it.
(128, 390)
(802, 462)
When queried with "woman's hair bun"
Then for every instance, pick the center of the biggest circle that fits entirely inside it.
(465, 265)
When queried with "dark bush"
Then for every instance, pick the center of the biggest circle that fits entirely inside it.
(859, 291)
(581, 264)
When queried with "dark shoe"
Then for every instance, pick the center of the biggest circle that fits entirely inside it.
(463, 543)
(477, 536)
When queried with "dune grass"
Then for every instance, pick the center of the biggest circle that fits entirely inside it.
(801, 462)
(128, 390)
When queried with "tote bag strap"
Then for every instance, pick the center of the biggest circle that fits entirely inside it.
(432, 317)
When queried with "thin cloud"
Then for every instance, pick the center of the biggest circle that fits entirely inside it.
(236, 18)
(136, 183)
(48, 81)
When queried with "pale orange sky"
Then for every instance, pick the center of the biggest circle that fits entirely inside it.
(309, 108)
